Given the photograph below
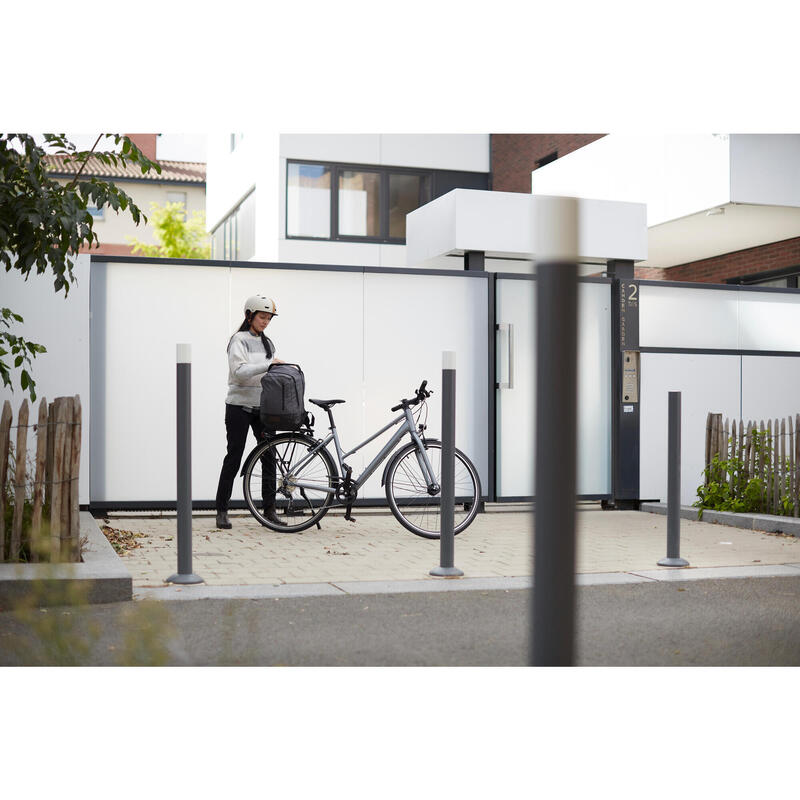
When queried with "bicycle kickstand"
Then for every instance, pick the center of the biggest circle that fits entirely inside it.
(348, 514)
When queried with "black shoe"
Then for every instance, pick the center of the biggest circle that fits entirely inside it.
(222, 520)
(269, 514)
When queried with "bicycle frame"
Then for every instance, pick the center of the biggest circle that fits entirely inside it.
(357, 483)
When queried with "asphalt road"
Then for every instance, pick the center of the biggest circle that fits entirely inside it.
(742, 622)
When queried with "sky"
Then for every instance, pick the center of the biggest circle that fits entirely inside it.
(170, 146)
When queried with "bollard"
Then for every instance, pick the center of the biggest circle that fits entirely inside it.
(184, 574)
(556, 246)
(673, 558)
(448, 491)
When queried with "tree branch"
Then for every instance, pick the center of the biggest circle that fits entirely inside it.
(72, 183)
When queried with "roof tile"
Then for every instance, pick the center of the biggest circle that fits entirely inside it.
(183, 171)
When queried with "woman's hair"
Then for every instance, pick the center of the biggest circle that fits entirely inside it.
(245, 326)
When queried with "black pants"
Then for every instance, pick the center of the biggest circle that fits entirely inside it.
(238, 420)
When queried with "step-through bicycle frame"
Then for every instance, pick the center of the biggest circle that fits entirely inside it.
(356, 483)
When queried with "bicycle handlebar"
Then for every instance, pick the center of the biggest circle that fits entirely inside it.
(421, 394)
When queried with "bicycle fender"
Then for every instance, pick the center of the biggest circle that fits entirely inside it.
(401, 450)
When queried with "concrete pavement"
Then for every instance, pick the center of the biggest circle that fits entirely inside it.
(375, 554)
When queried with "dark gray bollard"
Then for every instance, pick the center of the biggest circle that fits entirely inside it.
(448, 490)
(673, 558)
(555, 247)
(184, 387)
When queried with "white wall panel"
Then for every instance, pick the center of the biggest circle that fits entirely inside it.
(320, 327)
(674, 316)
(61, 324)
(765, 169)
(770, 387)
(707, 383)
(408, 321)
(139, 313)
(674, 175)
(769, 320)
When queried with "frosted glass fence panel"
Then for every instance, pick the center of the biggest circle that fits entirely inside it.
(139, 313)
(707, 383)
(516, 407)
(770, 387)
(675, 316)
(408, 321)
(769, 320)
(61, 324)
(320, 327)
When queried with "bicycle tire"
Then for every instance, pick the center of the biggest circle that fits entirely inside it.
(408, 496)
(299, 507)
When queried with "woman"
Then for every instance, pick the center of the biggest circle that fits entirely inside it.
(250, 354)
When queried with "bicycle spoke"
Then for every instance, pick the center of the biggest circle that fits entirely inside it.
(407, 491)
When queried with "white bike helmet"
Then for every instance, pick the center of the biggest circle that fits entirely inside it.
(259, 302)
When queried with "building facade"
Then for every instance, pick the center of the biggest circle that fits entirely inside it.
(331, 199)
(179, 182)
(721, 208)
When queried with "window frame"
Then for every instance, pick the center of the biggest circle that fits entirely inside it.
(336, 169)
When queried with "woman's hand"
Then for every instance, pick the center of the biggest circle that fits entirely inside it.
(277, 361)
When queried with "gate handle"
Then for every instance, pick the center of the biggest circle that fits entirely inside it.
(509, 384)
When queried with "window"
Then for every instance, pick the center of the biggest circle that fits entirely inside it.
(308, 201)
(353, 202)
(97, 213)
(177, 197)
(234, 239)
(359, 203)
(405, 194)
(785, 278)
(236, 139)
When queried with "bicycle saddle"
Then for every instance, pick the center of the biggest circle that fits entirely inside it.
(326, 404)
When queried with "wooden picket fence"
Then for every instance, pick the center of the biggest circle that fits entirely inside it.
(770, 452)
(52, 534)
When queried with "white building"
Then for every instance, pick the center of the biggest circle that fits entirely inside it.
(331, 199)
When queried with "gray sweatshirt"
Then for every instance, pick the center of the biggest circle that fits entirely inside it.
(247, 363)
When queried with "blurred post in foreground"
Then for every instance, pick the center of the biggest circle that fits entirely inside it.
(556, 253)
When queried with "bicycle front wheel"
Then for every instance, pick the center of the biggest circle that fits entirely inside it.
(293, 473)
(414, 507)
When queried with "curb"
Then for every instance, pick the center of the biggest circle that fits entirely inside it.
(345, 588)
(768, 523)
(99, 578)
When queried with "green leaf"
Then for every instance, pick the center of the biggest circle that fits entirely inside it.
(24, 380)
(18, 360)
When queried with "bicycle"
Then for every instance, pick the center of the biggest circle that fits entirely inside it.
(308, 482)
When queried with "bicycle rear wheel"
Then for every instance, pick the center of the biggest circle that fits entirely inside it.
(297, 485)
(407, 491)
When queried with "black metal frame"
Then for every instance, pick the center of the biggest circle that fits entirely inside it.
(790, 273)
(492, 495)
(427, 192)
(158, 505)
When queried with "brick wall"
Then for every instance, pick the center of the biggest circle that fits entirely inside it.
(718, 269)
(514, 155)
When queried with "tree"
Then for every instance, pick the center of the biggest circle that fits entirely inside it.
(177, 236)
(43, 224)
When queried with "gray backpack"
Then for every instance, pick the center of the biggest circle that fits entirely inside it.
(282, 390)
